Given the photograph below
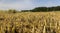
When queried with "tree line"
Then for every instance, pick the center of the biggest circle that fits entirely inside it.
(37, 9)
(43, 9)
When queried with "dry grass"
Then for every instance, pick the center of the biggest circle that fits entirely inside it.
(30, 22)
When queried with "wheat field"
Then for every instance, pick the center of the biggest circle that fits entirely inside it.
(30, 22)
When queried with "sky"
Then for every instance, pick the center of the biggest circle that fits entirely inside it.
(27, 4)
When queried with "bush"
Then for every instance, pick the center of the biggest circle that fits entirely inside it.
(12, 11)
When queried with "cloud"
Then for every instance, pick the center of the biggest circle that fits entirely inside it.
(19, 4)
(26, 4)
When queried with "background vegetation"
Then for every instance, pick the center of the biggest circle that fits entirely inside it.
(43, 9)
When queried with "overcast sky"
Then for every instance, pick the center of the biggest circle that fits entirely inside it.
(27, 4)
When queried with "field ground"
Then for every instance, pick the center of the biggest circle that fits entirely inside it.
(30, 22)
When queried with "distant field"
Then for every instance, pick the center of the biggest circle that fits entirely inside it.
(30, 22)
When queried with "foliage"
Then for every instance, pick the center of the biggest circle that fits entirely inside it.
(43, 9)
(12, 11)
